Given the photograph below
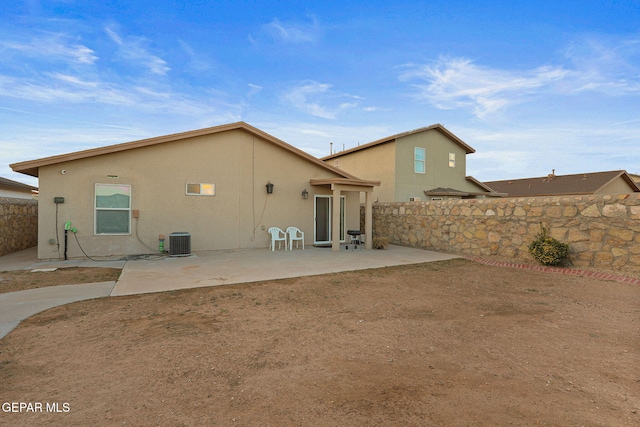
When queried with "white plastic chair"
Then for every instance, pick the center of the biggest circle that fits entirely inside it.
(277, 235)
(297, 235)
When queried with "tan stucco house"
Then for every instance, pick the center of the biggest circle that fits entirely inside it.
(608, 182)
(428, 163)
(224, 186)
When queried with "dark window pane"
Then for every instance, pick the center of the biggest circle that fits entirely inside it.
(112, 222)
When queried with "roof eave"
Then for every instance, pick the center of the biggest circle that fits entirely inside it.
(624, 175)
(446, 193)
(345, 181)
(468, 149)
(479, 184)
(581, 193)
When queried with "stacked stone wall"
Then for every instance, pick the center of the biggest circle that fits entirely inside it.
(603, 231)
(18, 224)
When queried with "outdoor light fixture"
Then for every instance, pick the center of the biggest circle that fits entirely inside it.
(269, 187)
(305, 194)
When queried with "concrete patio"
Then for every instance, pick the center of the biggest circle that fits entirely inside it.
(239, 266)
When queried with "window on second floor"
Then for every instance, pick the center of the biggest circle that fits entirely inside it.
(452, 160)
(419, 157)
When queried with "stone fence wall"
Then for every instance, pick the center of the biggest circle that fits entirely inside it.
(18, 224)
(603, 231)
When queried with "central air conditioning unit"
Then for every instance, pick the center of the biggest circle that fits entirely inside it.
(180, 244)
(414, 199)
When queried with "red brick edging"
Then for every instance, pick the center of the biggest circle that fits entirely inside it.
(569, 271)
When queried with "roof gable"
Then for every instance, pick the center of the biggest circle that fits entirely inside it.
(31, 167)
(584, 183)
(437, 127)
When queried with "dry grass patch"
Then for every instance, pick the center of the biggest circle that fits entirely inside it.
(20, 280)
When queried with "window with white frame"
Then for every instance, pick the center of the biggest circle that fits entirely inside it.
(112, 209)
(419, 157)
(452, 160)
(201, 189)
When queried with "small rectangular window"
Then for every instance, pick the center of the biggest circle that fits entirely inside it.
(112, 209)
(419, 160)
(201, 189)
(452, 160)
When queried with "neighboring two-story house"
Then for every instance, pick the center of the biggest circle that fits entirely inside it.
(423, 164)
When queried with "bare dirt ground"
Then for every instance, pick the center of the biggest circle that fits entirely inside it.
(20, 280)
(451, 343)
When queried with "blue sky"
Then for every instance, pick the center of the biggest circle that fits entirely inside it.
(531, 85)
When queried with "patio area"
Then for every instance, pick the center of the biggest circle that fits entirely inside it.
(216, 268)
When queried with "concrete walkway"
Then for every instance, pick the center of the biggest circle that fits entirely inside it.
(17, 306)
(213, 268)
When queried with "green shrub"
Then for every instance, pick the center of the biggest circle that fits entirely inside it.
(380, 243)
(547, 250)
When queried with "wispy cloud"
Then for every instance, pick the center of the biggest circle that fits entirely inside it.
(52, 47)
(57, 70)
(253, 90)
(196, 62)
(57, 87)
(605, 64)
(594, 63)
(308, 97)
(293, 32)
(134, 51)
(459, 83)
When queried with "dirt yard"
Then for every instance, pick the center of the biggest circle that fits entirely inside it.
(20, 280)
(451, 343)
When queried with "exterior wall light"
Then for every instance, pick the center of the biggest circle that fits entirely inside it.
(305, 194)
(269, 187)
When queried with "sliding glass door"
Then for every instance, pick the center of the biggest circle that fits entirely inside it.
(323, 213)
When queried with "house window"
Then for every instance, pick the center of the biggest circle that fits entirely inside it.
(419, 160)
(452, 160)
(201, 189)
(112, 209)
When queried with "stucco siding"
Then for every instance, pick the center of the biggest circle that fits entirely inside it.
(237, 162)
(617, 186)
(374, 163)
(437, 171)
